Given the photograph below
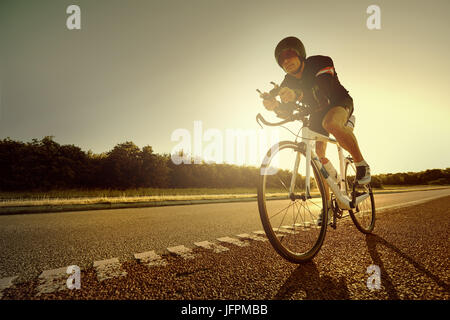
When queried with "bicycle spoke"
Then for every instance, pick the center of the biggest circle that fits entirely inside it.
(316, 205)
(271, 217)
(283, 217)
(310, 213)
(286, 188)
(299, 213)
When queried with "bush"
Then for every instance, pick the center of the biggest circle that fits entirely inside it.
(376, 182)
(440, 181)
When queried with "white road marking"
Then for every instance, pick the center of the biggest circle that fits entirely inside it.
(150, 258)
(52, 281)
(260, 233)
(216, 248)
(282, 230)
(407, 204)
(234, 241)
(251, 237)
(6, 283)
(181, 251)
(108, 269)
(303, 225)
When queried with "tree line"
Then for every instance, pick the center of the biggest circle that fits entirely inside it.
(45, 164)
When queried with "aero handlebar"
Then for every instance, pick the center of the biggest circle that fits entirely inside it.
(259, 118)
(272, 94)
(295, 116)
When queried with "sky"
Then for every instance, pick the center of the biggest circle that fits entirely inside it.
(141, 70)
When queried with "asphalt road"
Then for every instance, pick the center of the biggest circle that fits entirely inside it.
(32, 243)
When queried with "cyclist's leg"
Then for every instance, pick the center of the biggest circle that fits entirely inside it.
(334, 122)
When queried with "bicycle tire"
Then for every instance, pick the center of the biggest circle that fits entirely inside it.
(364, 219)
(280, 247)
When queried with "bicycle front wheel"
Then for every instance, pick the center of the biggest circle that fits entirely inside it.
(291, 221)
(363, 215)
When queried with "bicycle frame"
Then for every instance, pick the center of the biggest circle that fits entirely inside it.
(309, 137)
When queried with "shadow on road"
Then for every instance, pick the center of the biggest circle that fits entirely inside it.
(306, 279)
(372, 241)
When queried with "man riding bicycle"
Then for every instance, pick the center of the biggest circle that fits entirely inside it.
(313, 82)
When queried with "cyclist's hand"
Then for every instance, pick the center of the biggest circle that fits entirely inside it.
(287, 95)
(270, 103)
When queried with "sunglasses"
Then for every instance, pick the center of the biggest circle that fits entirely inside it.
(286, 54)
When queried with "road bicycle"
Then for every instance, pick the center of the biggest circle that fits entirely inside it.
(291, 199)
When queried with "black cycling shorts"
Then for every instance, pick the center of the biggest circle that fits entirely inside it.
(315, 120)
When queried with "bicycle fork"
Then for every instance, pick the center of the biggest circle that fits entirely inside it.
(292, 195)
(307, 194)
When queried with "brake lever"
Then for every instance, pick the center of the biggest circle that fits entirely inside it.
(276, 89)
(272, 93)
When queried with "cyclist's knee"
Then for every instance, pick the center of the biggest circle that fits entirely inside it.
(333, 125)
(330, 125)
(335, 119)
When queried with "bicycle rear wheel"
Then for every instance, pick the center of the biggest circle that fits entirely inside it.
(291, 222)
(363, 215)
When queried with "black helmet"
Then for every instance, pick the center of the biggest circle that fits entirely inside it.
(290, 43)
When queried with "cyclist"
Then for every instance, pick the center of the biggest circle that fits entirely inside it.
(313, 82)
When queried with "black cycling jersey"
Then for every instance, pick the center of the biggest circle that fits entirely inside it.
(321, 89)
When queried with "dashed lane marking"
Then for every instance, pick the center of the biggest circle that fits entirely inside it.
(181, 251)
(301, 226)
(108, 269)
(234, 241)
(260, 233)
(216, 248)
(251, 237)
(6, 283)
(282, 230)
(150, 258)
(52, 280)
(276, 230)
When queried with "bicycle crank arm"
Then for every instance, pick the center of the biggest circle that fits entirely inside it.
(344, 202)
(360, 199)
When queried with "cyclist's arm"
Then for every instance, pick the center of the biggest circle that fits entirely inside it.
(284, 110)
(328, 88)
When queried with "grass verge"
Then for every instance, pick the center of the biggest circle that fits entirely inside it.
(74, 200)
